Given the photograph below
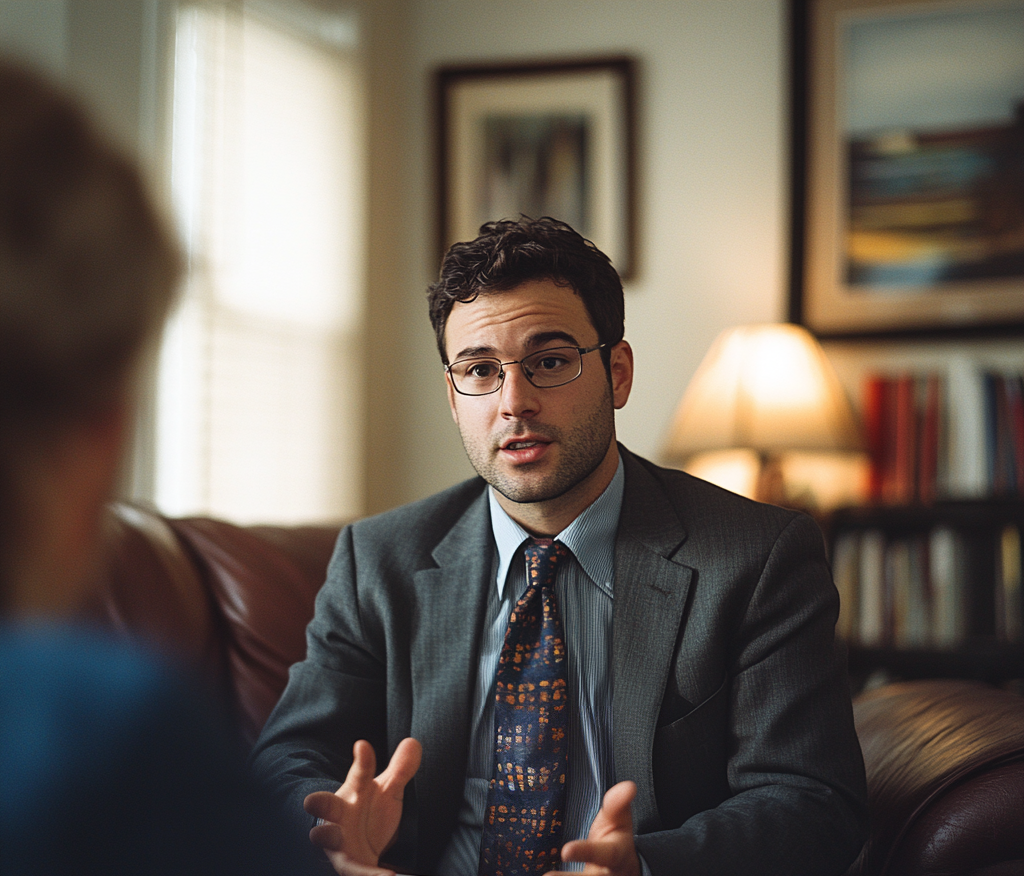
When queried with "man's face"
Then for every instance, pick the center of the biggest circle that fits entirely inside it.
(538, 445)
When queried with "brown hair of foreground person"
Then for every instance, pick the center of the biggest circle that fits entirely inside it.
(88, 270)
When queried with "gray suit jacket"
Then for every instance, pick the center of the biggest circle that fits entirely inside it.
(731, 707)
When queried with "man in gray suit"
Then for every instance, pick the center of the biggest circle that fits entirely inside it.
(710, 727)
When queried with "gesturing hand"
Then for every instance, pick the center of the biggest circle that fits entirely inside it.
(609, 849)
(361, 818)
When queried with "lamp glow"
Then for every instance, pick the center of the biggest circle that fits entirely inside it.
(768, 389)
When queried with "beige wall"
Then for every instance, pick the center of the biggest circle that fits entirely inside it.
(713, 196)
(713, 183)
(712, 193)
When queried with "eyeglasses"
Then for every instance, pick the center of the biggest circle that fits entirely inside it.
(545, 369)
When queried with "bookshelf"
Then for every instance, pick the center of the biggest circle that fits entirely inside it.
(931, 590)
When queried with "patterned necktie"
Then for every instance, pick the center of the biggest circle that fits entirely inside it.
(522, 832)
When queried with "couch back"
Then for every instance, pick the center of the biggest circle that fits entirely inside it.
(231, 601)
(945, 759)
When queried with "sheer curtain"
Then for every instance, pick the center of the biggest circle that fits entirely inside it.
(259, 402)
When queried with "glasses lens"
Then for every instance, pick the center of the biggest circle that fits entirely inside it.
(553, 367)
(476, 376)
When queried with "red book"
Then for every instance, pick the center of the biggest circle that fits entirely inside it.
(874, 389)
(928, 462)
(905, 440)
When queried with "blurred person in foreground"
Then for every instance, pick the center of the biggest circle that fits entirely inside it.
(110, 761)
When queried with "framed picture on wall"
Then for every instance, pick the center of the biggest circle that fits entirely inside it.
(908, 170)
(539, 139)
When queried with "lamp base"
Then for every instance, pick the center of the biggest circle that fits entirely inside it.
(770, 486)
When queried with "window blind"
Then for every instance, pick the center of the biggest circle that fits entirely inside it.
(259, 405)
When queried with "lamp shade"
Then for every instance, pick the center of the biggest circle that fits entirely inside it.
(768, 388)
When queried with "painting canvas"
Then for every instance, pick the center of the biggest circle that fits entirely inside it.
(936, 164)
(536, 164)
(548, 139)
(915, 167)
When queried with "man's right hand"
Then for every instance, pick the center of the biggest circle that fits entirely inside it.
(360, 819)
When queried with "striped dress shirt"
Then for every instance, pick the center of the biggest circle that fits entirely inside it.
(584, 590)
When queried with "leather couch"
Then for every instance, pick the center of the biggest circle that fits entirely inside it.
(231, 602)
(945, 759)
(945, 765)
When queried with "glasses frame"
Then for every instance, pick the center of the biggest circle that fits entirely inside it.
(501, 368)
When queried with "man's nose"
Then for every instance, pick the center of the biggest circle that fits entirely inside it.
(518, 397)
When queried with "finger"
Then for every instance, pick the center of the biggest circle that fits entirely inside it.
(402, 767)
(603, 853)
(323, 804)
(328, 836)
(345, 866)
(364, 764)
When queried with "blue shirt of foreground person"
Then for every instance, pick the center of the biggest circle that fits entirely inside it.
(715, 734)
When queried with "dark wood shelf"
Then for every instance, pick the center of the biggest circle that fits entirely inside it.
(979, 659)
(981, 655)
(896, 520)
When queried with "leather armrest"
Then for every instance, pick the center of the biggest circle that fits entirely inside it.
(940, 754)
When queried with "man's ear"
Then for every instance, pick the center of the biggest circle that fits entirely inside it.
(621, 365)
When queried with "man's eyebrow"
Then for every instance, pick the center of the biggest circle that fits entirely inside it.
(475, 352)
(542, 339)
(533, 342)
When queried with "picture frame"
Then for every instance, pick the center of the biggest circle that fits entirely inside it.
(539, 138)
(907, 167)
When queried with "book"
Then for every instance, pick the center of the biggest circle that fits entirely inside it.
(874, 407)
(846, 575)
(948, 577)
(931, 443)
(966, 422)
(904, 437)
(1009, 619)
(871, 609)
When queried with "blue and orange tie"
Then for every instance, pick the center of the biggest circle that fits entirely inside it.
(522, 832)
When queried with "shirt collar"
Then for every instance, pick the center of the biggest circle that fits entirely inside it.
(590, 537)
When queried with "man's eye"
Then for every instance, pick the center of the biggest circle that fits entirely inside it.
(551, 362)
(481, 370)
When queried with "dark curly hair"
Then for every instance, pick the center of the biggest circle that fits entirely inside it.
(510, 252)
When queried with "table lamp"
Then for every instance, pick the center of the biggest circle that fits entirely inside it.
(769, 390)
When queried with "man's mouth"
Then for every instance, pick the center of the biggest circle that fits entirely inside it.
(520, 445)
(525, 449)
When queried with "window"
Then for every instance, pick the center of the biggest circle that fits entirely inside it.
(259, 403)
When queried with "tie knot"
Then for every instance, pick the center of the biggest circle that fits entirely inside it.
(542, 558)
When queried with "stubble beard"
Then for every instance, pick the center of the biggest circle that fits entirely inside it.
(583, 448)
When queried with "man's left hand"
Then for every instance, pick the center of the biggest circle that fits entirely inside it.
(609, 849)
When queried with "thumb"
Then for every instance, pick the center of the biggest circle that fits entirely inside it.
(402, 767)
(615, 814)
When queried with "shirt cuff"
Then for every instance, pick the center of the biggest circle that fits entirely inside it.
(645, 869)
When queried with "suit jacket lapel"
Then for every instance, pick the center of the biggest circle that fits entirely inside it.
(651, 588)
(445, 649)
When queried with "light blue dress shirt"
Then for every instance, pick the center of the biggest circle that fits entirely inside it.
(584, 591)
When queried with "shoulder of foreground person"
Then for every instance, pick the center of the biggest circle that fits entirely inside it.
(115, 762)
